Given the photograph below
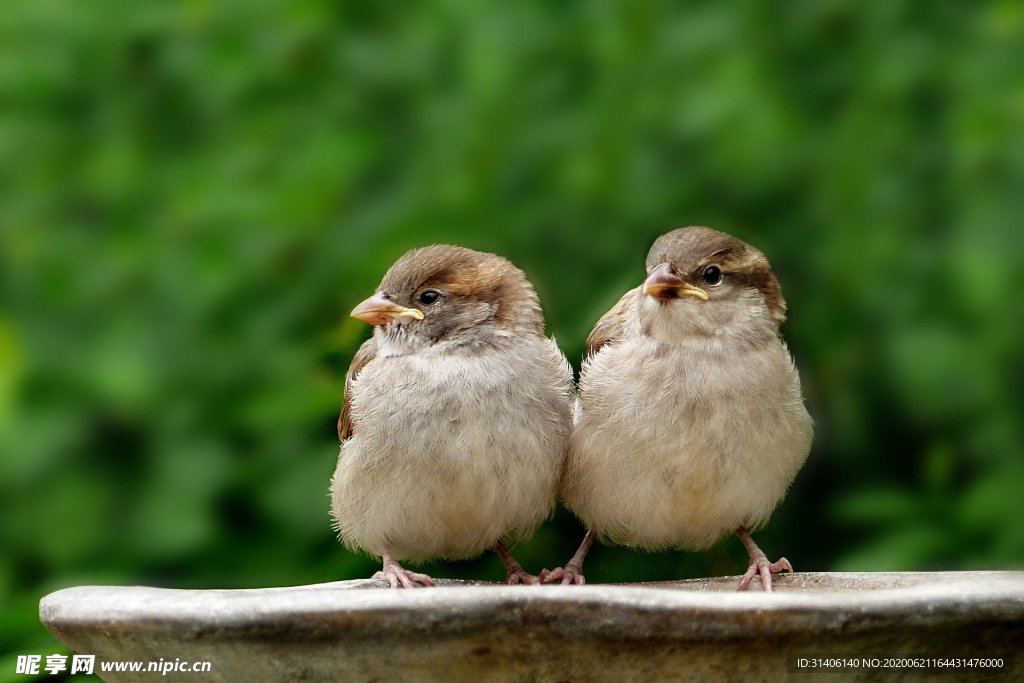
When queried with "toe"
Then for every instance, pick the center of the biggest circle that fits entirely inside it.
(419, 580)
(573, 575)
(551, 576)
(573, 579)
(747, 577)
(522, 579)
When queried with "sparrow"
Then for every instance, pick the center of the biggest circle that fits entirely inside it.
(690, 423)
(456, 416)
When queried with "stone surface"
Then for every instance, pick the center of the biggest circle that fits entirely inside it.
(355, 630)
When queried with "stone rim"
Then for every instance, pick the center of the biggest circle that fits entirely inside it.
(667, 611)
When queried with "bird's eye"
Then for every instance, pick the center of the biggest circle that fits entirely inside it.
(429, 296)
(712, 275)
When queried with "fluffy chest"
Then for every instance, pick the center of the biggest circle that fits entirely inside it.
(676, 446)
(705, 400)
(458, 406)
(450, 453)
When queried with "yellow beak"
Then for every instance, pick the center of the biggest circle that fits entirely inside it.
(379, 311)
(663, 284)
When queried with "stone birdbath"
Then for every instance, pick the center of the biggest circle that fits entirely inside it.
(871, 626)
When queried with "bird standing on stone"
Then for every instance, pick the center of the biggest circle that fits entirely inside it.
(456, 415)
(690, 423)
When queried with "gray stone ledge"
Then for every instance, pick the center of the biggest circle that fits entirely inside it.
(347, 630)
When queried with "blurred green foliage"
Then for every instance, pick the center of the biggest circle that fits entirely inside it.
(195, 194)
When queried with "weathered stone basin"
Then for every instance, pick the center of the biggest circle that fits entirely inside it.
(465, 631)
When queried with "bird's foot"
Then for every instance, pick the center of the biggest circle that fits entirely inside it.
(398, 576)
(516, 575)
(521, 577)
(759, 564)
(570, 575)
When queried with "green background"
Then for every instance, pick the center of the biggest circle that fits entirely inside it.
(194, 195)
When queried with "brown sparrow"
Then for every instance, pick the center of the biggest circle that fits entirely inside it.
(456, 415)
(690, 422)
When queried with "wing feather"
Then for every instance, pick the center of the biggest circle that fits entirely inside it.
(612, 325)
(366, 353)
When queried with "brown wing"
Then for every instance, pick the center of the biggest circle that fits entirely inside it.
(612, 325)
(366, 353)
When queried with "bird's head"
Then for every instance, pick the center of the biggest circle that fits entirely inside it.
(701, 282)
(454, 295)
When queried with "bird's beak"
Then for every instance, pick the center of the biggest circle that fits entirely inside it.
(379, 311)
(663, 284)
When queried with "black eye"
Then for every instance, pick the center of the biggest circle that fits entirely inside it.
(428, 296)
(712, 275)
